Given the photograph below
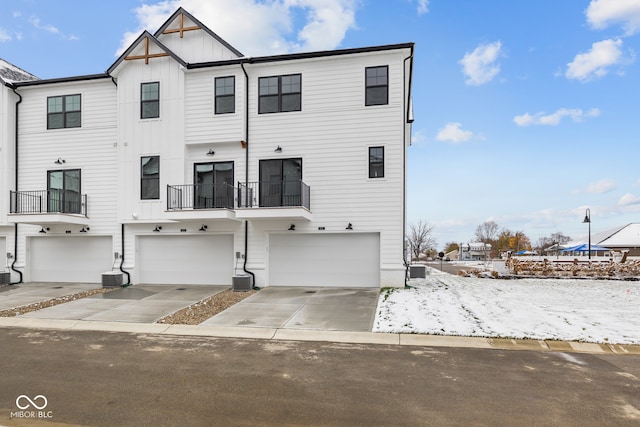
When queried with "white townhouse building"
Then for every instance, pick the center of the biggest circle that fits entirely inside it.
(187, 162)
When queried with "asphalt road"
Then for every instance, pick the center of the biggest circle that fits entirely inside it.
(124, 379)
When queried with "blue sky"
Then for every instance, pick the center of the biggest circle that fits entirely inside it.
(526, 112)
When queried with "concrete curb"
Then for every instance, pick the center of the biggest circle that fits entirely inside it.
(352, 337)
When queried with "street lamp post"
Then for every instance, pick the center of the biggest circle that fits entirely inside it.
(587, 219)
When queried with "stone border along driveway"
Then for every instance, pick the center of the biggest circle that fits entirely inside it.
(17, 311)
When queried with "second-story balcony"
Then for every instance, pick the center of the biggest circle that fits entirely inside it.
(53, 206)
(201, 201)
(278, 199)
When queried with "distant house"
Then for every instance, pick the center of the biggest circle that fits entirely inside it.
(475, 251)
(187, 162)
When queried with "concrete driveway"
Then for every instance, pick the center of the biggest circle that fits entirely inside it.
(330, 309)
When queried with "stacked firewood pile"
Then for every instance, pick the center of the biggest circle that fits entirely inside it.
(630, 268)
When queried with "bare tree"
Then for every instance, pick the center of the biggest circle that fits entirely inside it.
(487, 232)
(421, 238)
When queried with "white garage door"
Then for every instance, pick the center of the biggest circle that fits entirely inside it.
(188, 260)
(69, 259)
(346, 260)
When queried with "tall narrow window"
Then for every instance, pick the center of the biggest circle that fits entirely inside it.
(150, 100)
(63, 191)
(279, 94)
(213, 185)
(281, 182)
(63, 112)
(150, 178)
(225, 95)
(377, 85)
(376, 162)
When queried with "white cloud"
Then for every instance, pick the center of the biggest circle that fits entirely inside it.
(628, 200)
(603, 13)
(452, 132)
(423, 6)
(595, 63)
(553, 119)
(4, 35)
(601, 187)
(258, 27)
(480, 66)
(35, 21)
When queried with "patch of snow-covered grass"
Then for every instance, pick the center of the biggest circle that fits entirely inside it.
(601, 311)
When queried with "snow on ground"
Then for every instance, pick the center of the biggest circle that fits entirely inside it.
(600, 311)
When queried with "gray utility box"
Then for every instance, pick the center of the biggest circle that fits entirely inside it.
(241, 283)
(111, 279)
(5, 277)
(418, 271)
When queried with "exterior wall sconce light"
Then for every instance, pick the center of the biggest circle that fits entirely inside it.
(60, 161)
(292, 227)
(43, 230)
(210, 152)
(243, 144)
(157, 229)
(84, 229)
(278, 149)
(349, 227)
(203, 228)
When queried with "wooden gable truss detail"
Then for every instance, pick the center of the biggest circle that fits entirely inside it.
(146, 55)
(181, 29)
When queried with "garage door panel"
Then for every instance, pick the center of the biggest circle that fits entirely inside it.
(349, 259)
(193, 260)
(69, 259)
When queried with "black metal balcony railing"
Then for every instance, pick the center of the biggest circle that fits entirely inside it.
(48, 201)
(266, 194)
(200, 196)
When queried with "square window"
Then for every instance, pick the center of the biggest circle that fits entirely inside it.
(64, 112)
(280, 93)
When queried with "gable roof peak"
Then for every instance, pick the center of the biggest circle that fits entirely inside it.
(180, 14)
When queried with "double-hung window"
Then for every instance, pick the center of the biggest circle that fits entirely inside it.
(376, 162)
(150, 100)
(63, 112)
(279, 94)
(225, 95)
(377, 85)
(150, 178)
